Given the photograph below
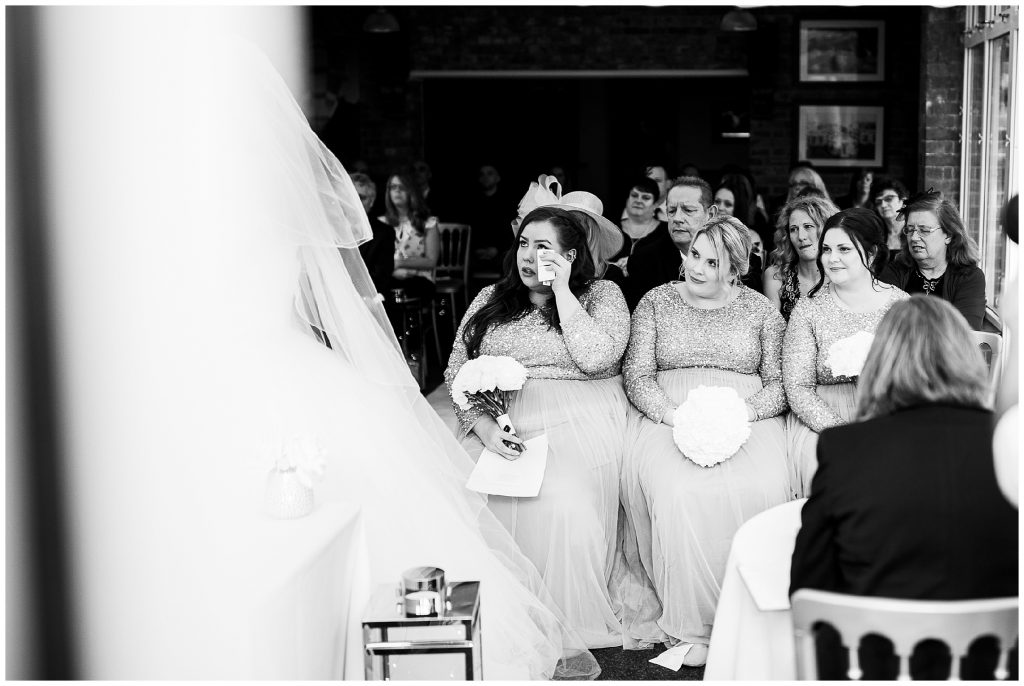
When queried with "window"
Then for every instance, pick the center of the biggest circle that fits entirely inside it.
(989, 174)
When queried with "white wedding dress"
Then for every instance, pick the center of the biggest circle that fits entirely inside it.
(242, 239)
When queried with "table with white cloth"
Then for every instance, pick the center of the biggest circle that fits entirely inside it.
(752, 636)
(301, 588)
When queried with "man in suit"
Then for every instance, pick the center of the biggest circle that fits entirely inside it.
(689, 204)
(379, 252)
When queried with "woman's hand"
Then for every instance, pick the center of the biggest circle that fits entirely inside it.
(562, 268)
(492, 436)
(669, 416)
(751, 413)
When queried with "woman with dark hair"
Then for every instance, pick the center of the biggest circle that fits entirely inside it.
(735, 197)
(906, 502)
(793, 264)
(417, 242)
(938, 257)
(570, 336)
(827, 333)
(860, 190)
(887, 197)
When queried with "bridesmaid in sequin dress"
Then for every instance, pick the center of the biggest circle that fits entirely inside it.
(710, 330)
(793, 269)
(570, 336)
(851, 251)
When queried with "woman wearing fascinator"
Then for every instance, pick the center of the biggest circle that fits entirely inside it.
(570, 334)
(682, 504)
(283, 242)
(830, 332)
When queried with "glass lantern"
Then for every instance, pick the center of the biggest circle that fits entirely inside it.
(445, 646)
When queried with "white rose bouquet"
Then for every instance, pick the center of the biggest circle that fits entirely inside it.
(711, 425)
(487, 382)
(304, 456)
(846, 356)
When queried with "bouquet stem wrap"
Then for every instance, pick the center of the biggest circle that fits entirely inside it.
(487, 382)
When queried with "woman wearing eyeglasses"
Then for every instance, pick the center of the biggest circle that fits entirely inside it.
(938, 257)
(888, 196)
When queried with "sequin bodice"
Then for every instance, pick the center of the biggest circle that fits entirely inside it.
(744, 336)
(817, 323)
(590, 345)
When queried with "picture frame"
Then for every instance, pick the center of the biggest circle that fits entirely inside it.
(841, 135)
(842, 50)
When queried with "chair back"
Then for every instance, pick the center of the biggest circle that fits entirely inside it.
(453, 262)
(957, 623)
(991, 345)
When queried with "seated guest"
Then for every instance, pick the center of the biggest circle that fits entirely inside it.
(709, 330)
(793, 267)
(638, 221)
(379, 252)
(417, 243)
(801, 177)
(489, 212)
(734, 197)
(659, 174)
(688, 204)
(860, 191)
(819, 378)
(570, 336)
(905, 502)
(938, 257)
(659, 259)
(887, 197)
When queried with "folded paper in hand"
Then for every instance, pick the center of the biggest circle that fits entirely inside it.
(519, 478)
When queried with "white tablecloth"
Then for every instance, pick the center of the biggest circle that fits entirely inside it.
(303, 585)
(753, 633)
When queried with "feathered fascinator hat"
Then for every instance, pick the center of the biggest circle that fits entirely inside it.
(547, 192)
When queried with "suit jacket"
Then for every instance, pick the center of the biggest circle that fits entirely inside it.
(963, 287)
(907, 506)
(656, 260)
(379, 254)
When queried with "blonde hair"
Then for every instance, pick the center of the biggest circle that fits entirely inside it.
(923, 353)
(731, 240)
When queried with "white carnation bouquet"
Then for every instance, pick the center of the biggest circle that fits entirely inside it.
(846, 356)
(487, 382)
(711, 425)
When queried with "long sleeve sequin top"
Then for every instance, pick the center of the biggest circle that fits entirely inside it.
(590, 345)
(744, 336)
(815, 324)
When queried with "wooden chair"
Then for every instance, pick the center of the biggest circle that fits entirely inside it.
(452, 271)
(906, 623)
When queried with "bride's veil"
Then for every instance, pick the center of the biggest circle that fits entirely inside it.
(296, 195)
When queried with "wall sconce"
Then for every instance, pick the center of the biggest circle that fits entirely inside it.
(381, 21)
(738, 20)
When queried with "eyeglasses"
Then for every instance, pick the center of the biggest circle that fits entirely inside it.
(886, 198)
(909, 230)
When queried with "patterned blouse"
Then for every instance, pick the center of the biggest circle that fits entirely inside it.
(589, 347)
(743, 336)
(410, 243)
(789, 293)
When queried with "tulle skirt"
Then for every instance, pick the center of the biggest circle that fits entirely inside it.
(568, 531)
(391, 453)
(681, 517)
(803, 441)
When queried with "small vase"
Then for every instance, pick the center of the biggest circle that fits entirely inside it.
(285, 497)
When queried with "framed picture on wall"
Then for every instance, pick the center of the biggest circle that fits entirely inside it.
(840, 135)
(842, 50)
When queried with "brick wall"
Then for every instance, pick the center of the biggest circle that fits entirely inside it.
(390, 106)
(940, 110)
